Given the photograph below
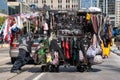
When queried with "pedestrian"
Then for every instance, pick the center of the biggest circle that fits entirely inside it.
(24, 53)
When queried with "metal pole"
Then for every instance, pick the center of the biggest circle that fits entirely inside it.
(91, 3)
(29, 26)
(20, 7)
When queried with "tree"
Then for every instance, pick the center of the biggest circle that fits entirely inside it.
(2, 19)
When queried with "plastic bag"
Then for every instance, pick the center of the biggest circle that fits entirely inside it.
(81, 57)
(97, 59)
(91, 52)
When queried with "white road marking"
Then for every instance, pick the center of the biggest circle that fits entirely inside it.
(39, 76)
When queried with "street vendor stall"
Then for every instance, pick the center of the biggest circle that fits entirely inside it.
(75, 40)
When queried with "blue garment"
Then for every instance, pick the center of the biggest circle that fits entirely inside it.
(105, 30)
(22, 59)
(115, 32)
(14, 30)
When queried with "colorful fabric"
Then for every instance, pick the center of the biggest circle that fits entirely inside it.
(87, 16)
(2, 28)
(67, 53)
(7, 30)
(94, 23)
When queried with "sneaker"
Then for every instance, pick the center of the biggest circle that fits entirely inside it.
(15, 71)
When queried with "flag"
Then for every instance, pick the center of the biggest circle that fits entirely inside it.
(6, 32)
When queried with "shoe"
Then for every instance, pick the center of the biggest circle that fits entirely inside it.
(20, 69)
(15, 71)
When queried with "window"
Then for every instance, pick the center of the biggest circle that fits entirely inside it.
(59, 6)
(51, 6)
(59, 1)
(35, 1)
(76, 6)
(43, 1)
(72, 1)
(67, 1)
(27, 1)
(13, 10)
(72, 6)
(51, 1)
(67, 6)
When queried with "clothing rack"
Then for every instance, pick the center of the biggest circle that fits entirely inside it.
(68, 36)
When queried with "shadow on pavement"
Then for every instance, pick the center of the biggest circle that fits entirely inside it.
(112, 68)
(61, 69)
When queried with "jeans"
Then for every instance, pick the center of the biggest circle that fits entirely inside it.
(22, 59)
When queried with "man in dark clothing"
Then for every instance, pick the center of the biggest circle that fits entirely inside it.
(24, 54)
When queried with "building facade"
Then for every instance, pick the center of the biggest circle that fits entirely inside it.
(108, 7)
(117, 13)
(3, 7)
(13, 7)
(55, 4)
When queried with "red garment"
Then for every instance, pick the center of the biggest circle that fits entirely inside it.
(12, 38)
(67, 53)
(7, 27)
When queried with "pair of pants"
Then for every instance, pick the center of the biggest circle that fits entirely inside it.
(22, 59)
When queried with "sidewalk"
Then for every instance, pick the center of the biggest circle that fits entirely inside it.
(115, 49)
(4, 45)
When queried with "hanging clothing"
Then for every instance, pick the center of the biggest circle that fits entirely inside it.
(67, 53)
(75, 52)
(63, 46)
(70, 46)
(54, 46)
(7, 30)
(94, 23)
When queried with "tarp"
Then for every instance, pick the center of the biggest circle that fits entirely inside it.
(94, 9)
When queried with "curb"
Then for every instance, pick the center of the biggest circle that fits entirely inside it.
(115, 52)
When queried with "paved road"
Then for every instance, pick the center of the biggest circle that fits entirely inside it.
(108, 70)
